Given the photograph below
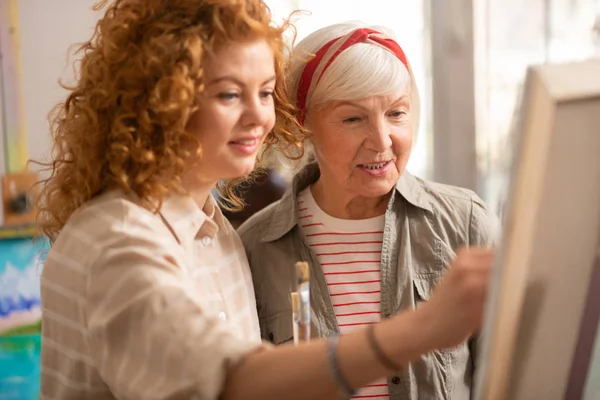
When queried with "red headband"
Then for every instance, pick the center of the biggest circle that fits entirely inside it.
(358, 36)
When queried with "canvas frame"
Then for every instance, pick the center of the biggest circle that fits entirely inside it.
(548, 249)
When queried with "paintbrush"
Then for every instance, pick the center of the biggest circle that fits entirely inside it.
(303, 293)
(295, 315)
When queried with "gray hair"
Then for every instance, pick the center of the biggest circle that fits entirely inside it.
(363, 70)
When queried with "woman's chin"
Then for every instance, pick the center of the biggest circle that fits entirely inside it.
(376, 189)
(241, 170)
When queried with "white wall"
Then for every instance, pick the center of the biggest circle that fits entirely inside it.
(48, 29)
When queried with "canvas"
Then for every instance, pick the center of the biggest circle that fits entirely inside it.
(542, 317)
(20, 312)
(20, 269)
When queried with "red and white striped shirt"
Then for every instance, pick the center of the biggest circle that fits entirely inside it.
(349, 252)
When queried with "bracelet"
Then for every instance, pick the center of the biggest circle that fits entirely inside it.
(334, 367)
(378, 351)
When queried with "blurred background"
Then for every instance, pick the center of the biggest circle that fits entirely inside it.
(469, 58)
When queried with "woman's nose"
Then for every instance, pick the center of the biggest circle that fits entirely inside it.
(257, 111)
(379, 138)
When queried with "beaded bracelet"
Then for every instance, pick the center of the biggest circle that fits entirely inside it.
(334, 367)
(378, 351)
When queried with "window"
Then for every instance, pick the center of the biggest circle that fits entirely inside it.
(514, 34)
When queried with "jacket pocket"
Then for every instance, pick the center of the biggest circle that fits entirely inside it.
(424, 286)
(278, 328)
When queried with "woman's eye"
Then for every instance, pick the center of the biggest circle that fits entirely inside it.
(228, 96)
(266, 94)
(397, 114)
(351, 120)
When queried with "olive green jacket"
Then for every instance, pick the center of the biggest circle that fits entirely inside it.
(425, 223)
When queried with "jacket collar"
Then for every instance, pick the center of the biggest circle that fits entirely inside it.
(284, 216)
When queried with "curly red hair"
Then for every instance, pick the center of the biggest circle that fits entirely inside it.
(123, 122)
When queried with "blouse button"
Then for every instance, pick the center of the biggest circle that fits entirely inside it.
(223, 316)
(206, 240)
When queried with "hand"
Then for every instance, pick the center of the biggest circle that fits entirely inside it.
(455, 311)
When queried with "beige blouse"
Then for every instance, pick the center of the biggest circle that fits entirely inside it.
(143, 306)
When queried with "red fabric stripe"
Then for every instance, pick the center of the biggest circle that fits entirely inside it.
(376, 385)
(303, 209)
(360, 35)
(349, 293)
(343, 233)
(353, 283)
(350, 262)
(355, 303)
(345, 252)
(358, 323)
(372, 396)
(338, 243)
(306, 78)
(351, 272)
(306, 226)
(305, 216)
(357, 313)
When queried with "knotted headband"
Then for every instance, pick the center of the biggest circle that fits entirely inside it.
(315, 68)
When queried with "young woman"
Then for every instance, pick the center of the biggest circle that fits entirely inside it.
(146, 291)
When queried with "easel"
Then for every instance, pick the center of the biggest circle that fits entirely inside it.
(544, 308)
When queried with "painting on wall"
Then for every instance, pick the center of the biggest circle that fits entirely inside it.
(20, 313)
(20, 268)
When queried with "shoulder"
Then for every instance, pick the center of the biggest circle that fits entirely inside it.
(111, 218)
(463, 209)
(109, 225)
(450, 195)
(253, 228)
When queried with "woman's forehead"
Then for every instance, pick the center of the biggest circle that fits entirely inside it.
(252, 59)
(400, 97)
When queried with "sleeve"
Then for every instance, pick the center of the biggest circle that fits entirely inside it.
(255, 262)
(484, 230)
(484, 226)
(150, 335)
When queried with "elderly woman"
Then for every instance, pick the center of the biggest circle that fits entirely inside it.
(377, 238)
